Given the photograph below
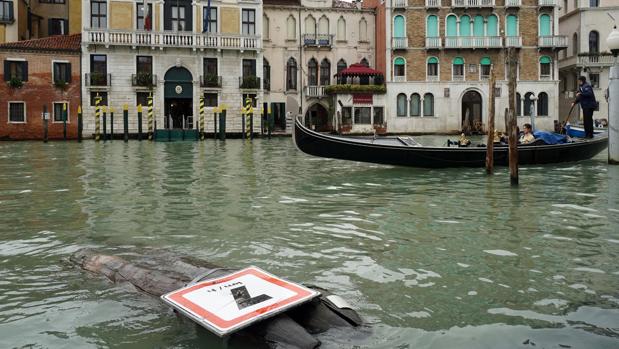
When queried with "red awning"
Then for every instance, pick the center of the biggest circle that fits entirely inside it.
(359, 69)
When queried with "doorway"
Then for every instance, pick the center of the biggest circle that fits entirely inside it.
(178, 113)
(317, 118)
(178, 94)
(472, 113)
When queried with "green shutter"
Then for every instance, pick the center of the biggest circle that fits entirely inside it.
(452, 26)
(465, 26)
(25, 71)
(399, 61)
(68, 67)
(485, 61)
(398, 27)
(478, 26)
(544, 25)
(493, 29)
(545, 59)
(432, 26)
(512, 25)
(7, 71)
(433, 60)
(458, 61)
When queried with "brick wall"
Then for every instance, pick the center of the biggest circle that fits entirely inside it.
(36, 92)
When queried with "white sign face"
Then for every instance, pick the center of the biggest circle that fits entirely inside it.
(231, 302)
(178, 89)
(45, 116)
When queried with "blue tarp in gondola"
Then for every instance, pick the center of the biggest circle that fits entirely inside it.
(550, 138)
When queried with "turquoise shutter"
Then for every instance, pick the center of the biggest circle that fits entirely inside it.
(398, 27)
(493, 28)
(432, 26)
(478, 26)
(512, 25)
(452, 26)
(465, 26)
(544, 25)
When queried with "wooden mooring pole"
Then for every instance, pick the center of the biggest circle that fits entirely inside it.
(491, 110)
(512, 57)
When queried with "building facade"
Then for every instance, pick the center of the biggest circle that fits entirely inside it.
(440, 53)
(176, 51)
(305, 44)
(587, 25)
(40, 75)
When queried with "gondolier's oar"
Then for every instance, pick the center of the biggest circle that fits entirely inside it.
(569, 115)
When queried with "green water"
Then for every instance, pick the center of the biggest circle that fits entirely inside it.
(432, 259)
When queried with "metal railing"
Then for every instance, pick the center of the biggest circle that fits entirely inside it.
(143, 80)
(433, 3)
(314, 91)
(513, 3)
(473, 42)
(98, 79)
(210, 81)
(399, 3)
(513, 41)
(399, 43)
(473, 3)
(317, 39)
(171, 39)
(547, 2)
(249, 82)
(434, 42)
(552, 41)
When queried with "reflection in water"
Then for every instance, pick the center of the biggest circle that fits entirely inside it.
(431, 258)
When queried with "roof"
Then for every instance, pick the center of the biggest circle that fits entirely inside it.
(67, 43)
(359, 69)
(282, 2)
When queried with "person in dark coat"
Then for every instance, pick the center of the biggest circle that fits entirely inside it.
(586, 98)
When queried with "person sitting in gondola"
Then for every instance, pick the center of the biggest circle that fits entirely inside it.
(527, 136)
(463, 141)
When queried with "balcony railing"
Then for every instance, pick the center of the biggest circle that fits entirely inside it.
(553, 41)
(433, 3)
(143, 80)
(473, 42)
(457, 77)
(400, 78)
(596, 59)
(210, 81)
(399, 3)
(472, 3)
(98, 79)
(249, 82)
(171, 39)
(513, 3)
(399, 43)
(317, 40)
(547, 3)
(434, 42)
(513, 41)
(432, 78)
(315, 91)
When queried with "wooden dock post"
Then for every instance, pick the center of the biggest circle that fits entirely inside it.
(491, 110)
(64, 121)
(45, 123)
(104, 123)
(139, 122)
(111, 123)
(512, 123)
(126, 122)
(80, 124)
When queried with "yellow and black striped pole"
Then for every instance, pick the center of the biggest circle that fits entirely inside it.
(150, 117)
(97, 118)
(201, 118)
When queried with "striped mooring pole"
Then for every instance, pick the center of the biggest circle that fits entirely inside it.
(97, 118)
(80, 123)
(150, 117)
(201, 118)
(248, 111)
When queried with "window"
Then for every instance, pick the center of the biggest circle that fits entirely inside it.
(478, 25)
(249, 21)
(98, 13)
(401, 104)
(341, 65)
(57, 26)
(325, 72)
(341, 29)
(210, 99)
(399, 30)
(98, 70)
(17, 112)
(62, 72)
(291, 74)
(575, 45)
(59, 111)
(365, 62)
(178, 19)
(512, 25)
(545, 28)
(594, 3)
(95, 95)
(432, 26)
(451, 29)
(6, 11)
(518, 105)
(594, 42)
(291, 28)
(310, 25)
(484, 68)
(249, 67)
(415, 104)
(141, 98)
(363, 115)
(458, 69)
(265, 28)
(399, 69)
(253, 99)
(323, 25)
(545, 67)
(363, 30)
(527, 103)
(432, 68)
(15, 70)
(347, 116)
(312, 72)
(595, 80)
(143, 20)
(144, 65)
(542, 104)
(492, 27)
(209, 67)
(428, 104)
(209, 20)
(465, 26)
(266, 75)
(379, 116)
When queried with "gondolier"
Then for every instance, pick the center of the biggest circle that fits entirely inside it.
(586, 98)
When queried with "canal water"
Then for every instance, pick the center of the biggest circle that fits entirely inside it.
(431, 258)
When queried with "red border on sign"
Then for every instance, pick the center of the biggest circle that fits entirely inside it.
(225, 324)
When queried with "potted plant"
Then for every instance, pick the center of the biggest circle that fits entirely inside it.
(144, 79)
(61, 84)
(97, 79)
(250, 82)
(211, 80)
(15, 83)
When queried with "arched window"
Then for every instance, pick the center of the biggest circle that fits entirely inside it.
(512, 25)
(575, 45)
(451, 29)
(399, 69)
(484, 68)
(527, 104)
(465, 25)
(312, 72)
(323, 25)
(545, 67)
(478, 25)
(415, 105)
(399, 30)
(341, 29)
(401, 105)
(291, 74)
(265, 28)
(291, 28)
(341, 65)
(325, 72)
(432, 68)
(363, 30)
(518, 105)
(542, 104)
(493, 26)
(594, 42)
(458, 69)
(432, 26)
(545, 28)
(310, 25)
(365, 62)
(266, 75)
(428, 104)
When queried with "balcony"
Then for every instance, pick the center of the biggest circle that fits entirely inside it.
(249, 82)
(209, 80)
(433, 3)
(315, 91)
(459, 42)
(547, 3)
(318, 40)
(457, 78)
(399, 78)
(399, 43)
(164, 39)
(96, 79)
(595, 60)
(434, 43)
(143, 80)
(472, 3)
(513, 41)
(513, 3)
(432, 78)
(553, 41)
(402, 4)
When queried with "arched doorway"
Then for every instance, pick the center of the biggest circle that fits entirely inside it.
(472, 113)
(178, 94)
(317, 118)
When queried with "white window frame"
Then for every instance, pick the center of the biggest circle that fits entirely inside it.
(218, 19)
(463, 71)
(438, 70)
(68, 112)
(545, 77)
(8, 114)
(405, 67)
(480, 72)
(58, 61)
(218, 97)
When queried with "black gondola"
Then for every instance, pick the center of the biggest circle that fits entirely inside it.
(403, 151)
